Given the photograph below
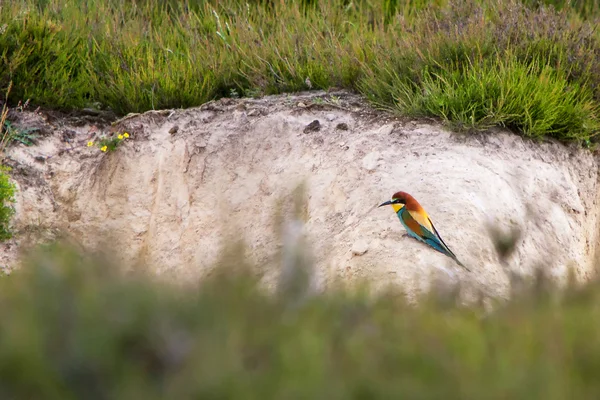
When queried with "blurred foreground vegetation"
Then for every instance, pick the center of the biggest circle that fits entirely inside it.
(474, 63)
(74, 326)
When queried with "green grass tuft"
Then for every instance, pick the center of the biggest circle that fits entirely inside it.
(137, 56)
(531, 98)
(7, 197)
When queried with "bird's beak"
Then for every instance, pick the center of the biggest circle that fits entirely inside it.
(387, 203)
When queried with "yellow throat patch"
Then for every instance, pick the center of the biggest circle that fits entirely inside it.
(397, 207)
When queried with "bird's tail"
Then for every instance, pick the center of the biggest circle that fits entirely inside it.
(461, 264)
(443, 247)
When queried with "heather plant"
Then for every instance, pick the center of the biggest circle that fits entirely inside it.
(586, 8)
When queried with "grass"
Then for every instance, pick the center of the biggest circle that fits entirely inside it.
(533, 99)
(73, 326)
(5, 131)
(7, 188)
(585, 8)
(7, 198)
(433, 58)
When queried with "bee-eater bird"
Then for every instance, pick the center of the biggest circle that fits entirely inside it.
(418, 224)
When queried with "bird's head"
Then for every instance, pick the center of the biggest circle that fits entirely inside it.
(397, 202)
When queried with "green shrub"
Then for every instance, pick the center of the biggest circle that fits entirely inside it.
(7, 197)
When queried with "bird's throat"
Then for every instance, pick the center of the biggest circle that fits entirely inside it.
(397, 207)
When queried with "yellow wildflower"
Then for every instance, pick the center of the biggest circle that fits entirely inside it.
(126, 135)
(120, 137)
(104, 148)
(90, 144)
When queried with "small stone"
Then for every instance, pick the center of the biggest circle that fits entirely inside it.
(342, 126)
(330, 117)
(40, 158)
(370, 161)
(174, 130)
(302, 105)
(313, 126)
(254, 113)
(386, 129)
(359, 248)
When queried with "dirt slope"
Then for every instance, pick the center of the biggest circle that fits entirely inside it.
(188, 178)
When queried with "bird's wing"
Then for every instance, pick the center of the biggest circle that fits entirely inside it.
(411, 223)
(426, 231)
(429, 232)
(422, 219)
